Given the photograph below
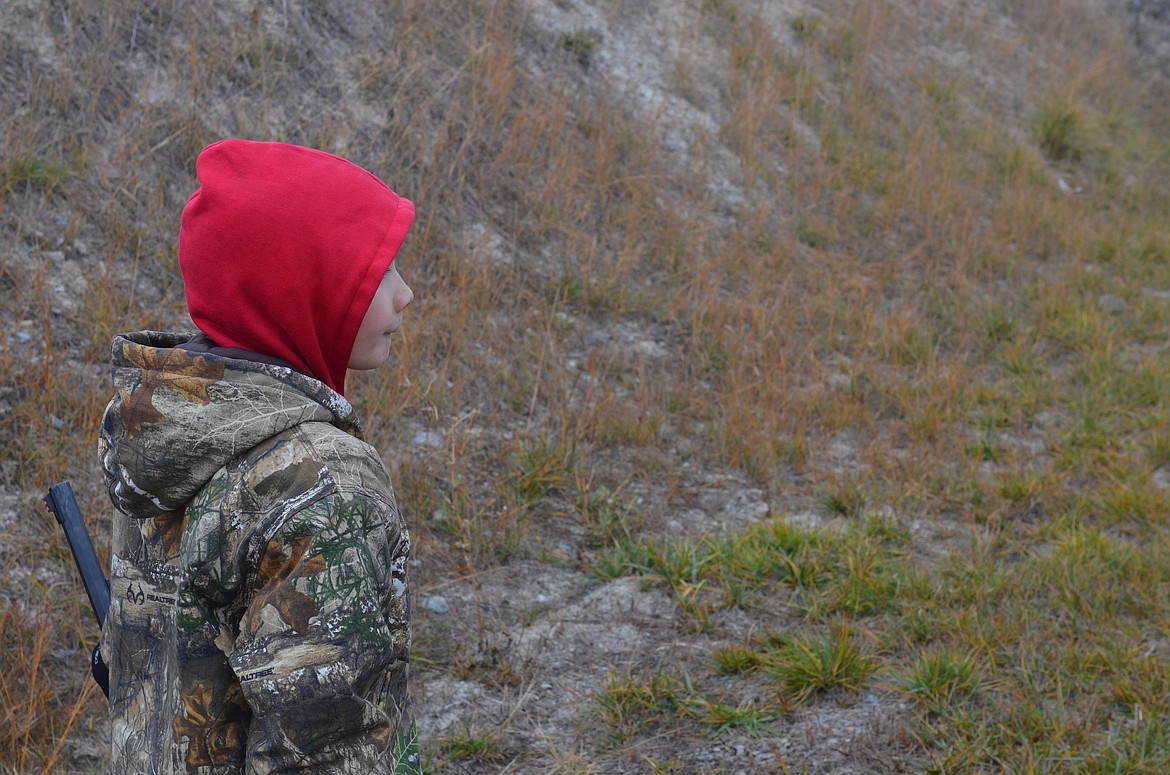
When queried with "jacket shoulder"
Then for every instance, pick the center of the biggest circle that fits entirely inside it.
(303, 463)
(354, 465)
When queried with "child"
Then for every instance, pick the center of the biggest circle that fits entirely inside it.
(259, 619)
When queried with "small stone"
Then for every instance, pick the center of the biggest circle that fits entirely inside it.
(58, 423)
(1110, 303)
(55, 255)
(428, 439)
(436, 604)
(650, 349)
(595, 338)
(23, 337)
(839, 380)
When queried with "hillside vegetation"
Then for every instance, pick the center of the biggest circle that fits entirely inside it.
(786, 388)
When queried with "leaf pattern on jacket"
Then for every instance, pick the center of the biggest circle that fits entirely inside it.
(189, 376)
(213, 735)
(295, 608)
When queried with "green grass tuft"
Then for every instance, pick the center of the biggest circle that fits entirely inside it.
(805, 665)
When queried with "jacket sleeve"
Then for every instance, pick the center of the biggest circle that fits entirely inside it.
(323, 644)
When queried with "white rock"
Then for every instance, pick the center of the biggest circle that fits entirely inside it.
(436, 604)
(428, 439)
(650, 349)
(1110, 303)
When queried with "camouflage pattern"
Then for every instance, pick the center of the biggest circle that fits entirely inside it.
(259, 618)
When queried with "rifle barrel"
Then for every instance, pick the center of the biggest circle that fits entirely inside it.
(61, 501)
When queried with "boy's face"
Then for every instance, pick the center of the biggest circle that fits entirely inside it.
(371, 347)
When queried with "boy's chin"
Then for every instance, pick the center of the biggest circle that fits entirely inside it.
(371, 361)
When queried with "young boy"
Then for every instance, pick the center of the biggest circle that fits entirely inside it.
(259, 619)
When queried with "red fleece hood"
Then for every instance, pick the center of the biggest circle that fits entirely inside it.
(282, 248)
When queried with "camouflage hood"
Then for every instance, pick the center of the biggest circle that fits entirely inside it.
(177, 417)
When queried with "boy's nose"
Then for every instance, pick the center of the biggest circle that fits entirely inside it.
(405, 298)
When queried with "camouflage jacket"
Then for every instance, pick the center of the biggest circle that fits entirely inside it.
(259, 619)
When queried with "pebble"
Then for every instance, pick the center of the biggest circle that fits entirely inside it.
(428, 439)
(1110, 303)
(650, 349)
(839, 380)
(436, 604)
(596, 338)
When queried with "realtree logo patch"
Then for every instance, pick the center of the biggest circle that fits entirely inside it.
(135, 596)
(257, 674)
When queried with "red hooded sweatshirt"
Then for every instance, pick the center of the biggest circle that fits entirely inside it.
(282, 248)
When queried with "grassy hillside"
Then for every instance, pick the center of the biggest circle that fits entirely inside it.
(786, 388)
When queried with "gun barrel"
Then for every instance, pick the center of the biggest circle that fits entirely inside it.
(61, 501)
